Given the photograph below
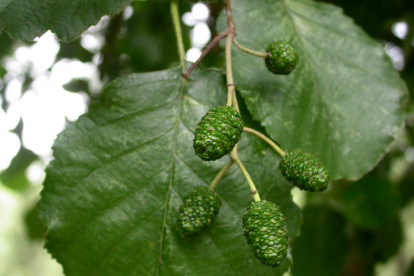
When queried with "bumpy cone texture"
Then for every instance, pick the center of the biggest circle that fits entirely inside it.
(198, 211)
(217, 133)
(304, 171)
(282, 58)
(265, 229)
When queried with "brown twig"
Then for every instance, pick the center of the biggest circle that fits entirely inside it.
(205, 52)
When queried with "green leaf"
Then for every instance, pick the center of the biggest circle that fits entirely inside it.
(112, 193)
(343, 101)
(322, 246)
(26, 20)
(370, 201)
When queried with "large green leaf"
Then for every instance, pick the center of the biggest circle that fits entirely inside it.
(343, 101)
(27, 19)
(112, 193)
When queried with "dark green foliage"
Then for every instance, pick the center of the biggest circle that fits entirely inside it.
(322, 247)
(371, 201)
(304, 171)
(138, 172)
(217, 133)
(34, 227)
(208, 1)
(265, 229)
(26, 20)
(199, 209)
(308, 104)
(282, 58)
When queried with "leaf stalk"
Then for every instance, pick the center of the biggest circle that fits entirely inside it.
(249, 51)
(221, 174)
(267, 140)
(253, 189)
(175, 14)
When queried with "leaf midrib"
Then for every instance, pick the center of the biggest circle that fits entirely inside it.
(174, 154)
(311, 66)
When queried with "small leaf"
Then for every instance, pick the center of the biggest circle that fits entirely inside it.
(112, 193)
(68, 19)
(343, 101)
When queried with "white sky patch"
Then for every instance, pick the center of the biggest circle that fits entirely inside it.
(102, 24)
(13, 91)
(22, 55)
(44, 112)
(9, 147)
(13, 67)
(46, 107)
(97, 59)
(200, 35)
(128, 13)
(10, 119)
(92, 42)
(192, 54)
(200, 11)
(65, 70)
(396, 54)
(400, 29)
(43, 53)
(35, 173)
(189, 19)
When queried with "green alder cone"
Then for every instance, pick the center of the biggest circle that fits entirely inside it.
(265, 229)
(282, 58)
(304, 171)
(217, 133)
(198, 211)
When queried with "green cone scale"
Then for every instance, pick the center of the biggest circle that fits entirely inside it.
(265, 229)
(198, 211)
(304, 171)
(217, 133)
(282, 58)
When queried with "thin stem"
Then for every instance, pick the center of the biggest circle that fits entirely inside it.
(221, 174)
(229, 70)
(236, 159)
(177, 28)
(267, 140)
(205, 52)
(231, 92)
(229, 13)
(235, 103)
(249, 51)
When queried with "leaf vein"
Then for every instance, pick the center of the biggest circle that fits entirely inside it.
(118, 200)
(119, 156)
(123, 238)
(180, 96)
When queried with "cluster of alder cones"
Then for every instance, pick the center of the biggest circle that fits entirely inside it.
(216, 135)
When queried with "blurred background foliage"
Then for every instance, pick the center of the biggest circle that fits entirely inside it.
(356, 228)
